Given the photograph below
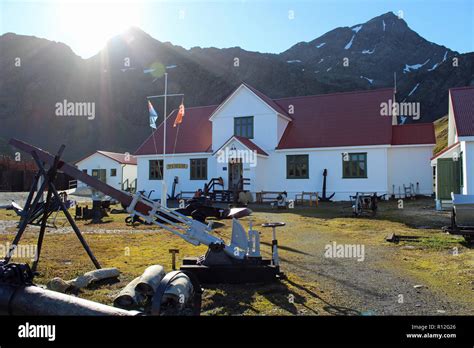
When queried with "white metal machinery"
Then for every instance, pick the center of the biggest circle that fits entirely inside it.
(196, 232)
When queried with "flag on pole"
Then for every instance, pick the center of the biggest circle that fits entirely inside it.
(153, 115)
(179, 117)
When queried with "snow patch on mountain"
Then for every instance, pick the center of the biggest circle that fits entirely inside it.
(349, 44)
(414, 89)
(409, 68)
(370, 80)
(293, 61)
(320, 45)
(383, 23)
(368, 51)
(322, 60)
(356, 29)
(437, 64)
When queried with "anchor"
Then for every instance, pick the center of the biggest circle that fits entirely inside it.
(324, 198)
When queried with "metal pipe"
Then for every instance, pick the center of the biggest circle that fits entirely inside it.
(33, 300)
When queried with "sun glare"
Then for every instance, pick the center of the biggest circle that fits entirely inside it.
(91, 24)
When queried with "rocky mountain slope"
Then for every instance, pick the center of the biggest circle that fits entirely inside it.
(130, 67)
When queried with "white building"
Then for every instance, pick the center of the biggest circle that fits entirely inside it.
(285, 144)
(454, 166)
(118, 170)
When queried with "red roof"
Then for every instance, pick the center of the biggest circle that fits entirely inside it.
(330, 120)
(338, 119)
(462, 99)
(421, 133)
(247, 142)
(194, 134)
(121, 158)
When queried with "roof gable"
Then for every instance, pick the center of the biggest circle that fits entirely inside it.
(259, 95)
(463, 109)
(249, 144)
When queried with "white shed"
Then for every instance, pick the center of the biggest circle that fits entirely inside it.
(118, 170)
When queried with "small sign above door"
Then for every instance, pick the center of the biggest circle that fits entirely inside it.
(177, 166)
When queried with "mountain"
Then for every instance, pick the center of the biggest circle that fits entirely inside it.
(120, 77)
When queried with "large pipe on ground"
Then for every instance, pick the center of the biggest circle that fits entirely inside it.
(129, 297)
(33, 300)
(150, 279)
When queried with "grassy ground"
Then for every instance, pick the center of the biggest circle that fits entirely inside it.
(315, 285)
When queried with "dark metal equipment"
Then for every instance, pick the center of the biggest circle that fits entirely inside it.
(214, 189)
(218, 267)
(201, 208)
(44, 179)
(173, 195)
(324, 197)
(364, 203)
(36, 215)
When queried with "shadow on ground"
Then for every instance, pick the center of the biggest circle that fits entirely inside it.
(286, 297)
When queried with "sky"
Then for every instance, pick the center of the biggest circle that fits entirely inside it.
(255, 25)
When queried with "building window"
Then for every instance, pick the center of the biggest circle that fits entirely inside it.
(113, 172)
(243, 127)
(156, 170)
(198, 169)
(99, 174)
(297, 167)
(354, 165)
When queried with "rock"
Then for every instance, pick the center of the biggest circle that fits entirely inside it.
(442, 311)
(419, 286)
(57, 284)
(408, 247)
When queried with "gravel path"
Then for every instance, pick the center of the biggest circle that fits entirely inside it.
(366, 288)
(20, 198)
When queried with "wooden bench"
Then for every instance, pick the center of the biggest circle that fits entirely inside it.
(312, 197)
(186, 194)
(267, 196)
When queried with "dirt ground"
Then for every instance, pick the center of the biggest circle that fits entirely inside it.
(430, 275)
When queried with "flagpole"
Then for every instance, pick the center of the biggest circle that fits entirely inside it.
(163, 186)
(164, 194)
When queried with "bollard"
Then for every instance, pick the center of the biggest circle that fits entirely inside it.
(173, 257)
